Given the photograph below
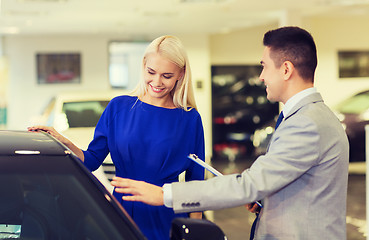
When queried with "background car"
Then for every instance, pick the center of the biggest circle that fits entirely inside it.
(239, 106)
(75, 115)
(353, 113)
(47, 193)
(262, 136)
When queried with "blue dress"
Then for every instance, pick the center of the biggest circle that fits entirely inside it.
(150, 144)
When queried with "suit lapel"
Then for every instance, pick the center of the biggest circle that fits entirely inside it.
(313, 98)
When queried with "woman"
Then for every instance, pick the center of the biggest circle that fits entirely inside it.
(150, 133)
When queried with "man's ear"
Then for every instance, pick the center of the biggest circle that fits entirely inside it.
(287, 68)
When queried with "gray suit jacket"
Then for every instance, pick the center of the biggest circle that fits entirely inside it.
(302, 179)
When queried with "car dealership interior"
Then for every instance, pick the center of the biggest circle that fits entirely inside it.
(92, 48)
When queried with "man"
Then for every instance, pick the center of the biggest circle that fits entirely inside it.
(302, 179)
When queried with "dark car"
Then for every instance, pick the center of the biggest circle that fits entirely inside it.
(353, 113)
(239, 106)
(47, 193)
(262, 136)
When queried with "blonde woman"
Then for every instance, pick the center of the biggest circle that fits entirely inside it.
(150, 133)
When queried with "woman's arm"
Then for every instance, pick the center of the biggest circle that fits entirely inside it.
(50, 130)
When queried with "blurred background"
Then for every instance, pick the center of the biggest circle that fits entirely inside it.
(92, 50)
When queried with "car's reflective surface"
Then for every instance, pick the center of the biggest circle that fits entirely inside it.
(46, 193)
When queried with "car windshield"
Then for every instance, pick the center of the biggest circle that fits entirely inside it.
(84, 113)
(40, 200)
(355, 105)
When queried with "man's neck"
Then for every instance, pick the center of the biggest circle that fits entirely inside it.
(295, 88)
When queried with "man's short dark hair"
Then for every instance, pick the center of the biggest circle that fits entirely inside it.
(295, 45)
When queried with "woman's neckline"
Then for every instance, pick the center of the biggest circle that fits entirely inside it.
(153, 105)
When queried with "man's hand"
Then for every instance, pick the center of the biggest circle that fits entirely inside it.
(139, 191)
(253, 207)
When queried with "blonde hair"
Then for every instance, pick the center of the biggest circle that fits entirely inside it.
(171, 48)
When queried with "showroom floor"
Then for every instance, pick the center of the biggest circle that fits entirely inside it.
(236, 222)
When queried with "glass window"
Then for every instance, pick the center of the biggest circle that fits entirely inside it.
(125, 63)
(355, 105)
(118, 71)
(10, 231)
(84, 113)
(55, 201)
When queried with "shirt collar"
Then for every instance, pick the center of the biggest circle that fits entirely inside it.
(296, 98)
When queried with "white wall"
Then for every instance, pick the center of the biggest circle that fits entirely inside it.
(239, 47)
(331, 35)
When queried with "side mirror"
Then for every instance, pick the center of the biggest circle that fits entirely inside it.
(195, 229)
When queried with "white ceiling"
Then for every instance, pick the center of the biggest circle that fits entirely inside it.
(148, 17)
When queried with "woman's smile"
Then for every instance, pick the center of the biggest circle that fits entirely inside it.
(156, 89)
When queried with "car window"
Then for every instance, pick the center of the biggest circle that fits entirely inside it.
(355, 105)
(84, 113)
(9, 231)
(55, 202)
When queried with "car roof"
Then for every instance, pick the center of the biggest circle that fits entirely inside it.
(24, 142)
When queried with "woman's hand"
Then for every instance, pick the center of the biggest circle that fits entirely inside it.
(139, 191)
(50, 130)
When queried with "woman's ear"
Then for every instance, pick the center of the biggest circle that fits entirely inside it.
(181, 75)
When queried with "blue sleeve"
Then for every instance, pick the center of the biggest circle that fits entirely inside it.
(98, 148)
(196, 172)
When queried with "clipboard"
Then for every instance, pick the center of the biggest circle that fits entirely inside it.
(202, 163)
